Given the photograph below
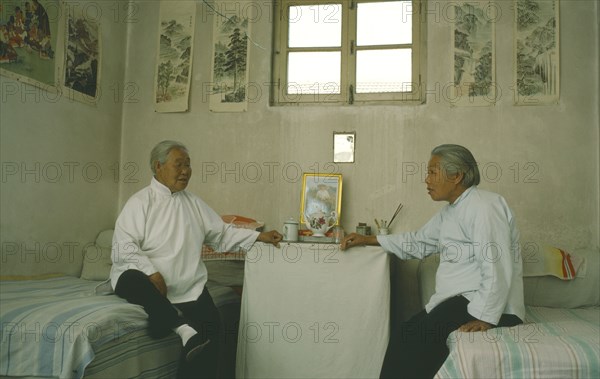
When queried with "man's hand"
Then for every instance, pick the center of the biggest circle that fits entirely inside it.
(272, 237)
(354, 239)
(159, 282)
(475, 326)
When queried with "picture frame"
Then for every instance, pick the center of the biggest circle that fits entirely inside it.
(321, 192)
(344, 147)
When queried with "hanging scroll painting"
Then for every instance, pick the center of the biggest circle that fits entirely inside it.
(82, 58)
(174, 60)
(474, 54)
(229, 84)
(536, 55)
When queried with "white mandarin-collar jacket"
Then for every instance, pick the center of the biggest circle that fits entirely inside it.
(160, 231)
(478, 243)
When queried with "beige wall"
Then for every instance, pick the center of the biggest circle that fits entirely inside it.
(560, 141)
(548, 155)
(58, 188)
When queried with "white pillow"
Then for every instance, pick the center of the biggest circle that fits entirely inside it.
(96, 258)
(583, 291)
(540, 291)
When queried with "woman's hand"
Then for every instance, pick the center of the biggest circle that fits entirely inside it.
(272, 237)
(475, 326)
(159, 282)
(354, 239)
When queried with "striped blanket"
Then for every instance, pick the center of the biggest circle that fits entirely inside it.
(51, 327)
(552, 343)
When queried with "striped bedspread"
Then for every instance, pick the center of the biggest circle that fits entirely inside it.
(51, 327)
(552, 343)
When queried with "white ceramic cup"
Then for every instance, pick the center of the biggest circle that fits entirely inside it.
(383, 231)
(290, 230)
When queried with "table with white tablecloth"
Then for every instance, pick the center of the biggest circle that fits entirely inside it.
(313, 311)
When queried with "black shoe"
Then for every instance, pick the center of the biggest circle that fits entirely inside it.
(194, 347)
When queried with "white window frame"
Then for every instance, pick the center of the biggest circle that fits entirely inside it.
(347, 95)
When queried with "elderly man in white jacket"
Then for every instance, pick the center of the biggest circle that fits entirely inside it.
(479, 282)
(156, 255)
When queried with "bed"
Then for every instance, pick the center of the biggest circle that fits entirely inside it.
(551, 343)
(560, 336)
(68, 327)
(63, 325)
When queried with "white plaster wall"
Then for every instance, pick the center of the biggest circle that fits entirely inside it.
(561, 206)
(543, 159)
(58, 188)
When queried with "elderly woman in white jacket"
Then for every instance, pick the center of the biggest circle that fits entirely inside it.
(479, 281)
(156, 255)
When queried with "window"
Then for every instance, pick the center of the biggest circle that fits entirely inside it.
(348, 52)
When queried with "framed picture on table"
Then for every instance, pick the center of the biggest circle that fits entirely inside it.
(321, 193)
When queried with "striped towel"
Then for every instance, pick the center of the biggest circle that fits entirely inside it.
(551, 261)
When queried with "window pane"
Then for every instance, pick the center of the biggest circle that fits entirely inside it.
(384, 23)
(383, 71)
(315, 25)
(314, 72)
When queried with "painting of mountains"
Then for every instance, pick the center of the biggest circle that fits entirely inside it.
(229, 76)
(82, 57)
(174, 56)
(474, 56)
(537, 52)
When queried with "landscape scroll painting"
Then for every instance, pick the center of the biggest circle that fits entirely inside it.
(537, 59)
(82, 58)
(474, 54)
(31, 41)
(174, 61)
(229, 84)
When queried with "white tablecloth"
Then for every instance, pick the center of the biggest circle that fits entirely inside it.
(314, 311)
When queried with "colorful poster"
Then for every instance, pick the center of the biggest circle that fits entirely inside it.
(82, 57)
(537, 59)
(229, 84)
(174, 61)
(474, 54)
(31, 41)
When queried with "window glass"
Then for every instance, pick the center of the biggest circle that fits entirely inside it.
(315, 25)
(385, 23)
(314, 72)
(383, 71)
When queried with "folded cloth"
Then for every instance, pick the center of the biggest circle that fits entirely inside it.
(551, 261)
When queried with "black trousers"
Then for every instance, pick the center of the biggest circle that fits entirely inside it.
(417, 349)
(135, 287)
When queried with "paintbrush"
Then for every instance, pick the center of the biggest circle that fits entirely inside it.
(395, 214)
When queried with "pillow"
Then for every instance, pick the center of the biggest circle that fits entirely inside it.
(550, 261)
(541, 291)
(96, 257)
(583, 291)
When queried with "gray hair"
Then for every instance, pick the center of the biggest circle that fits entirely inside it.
(456, 159)
(161, 151)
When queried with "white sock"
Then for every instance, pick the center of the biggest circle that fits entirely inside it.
(185, 332)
